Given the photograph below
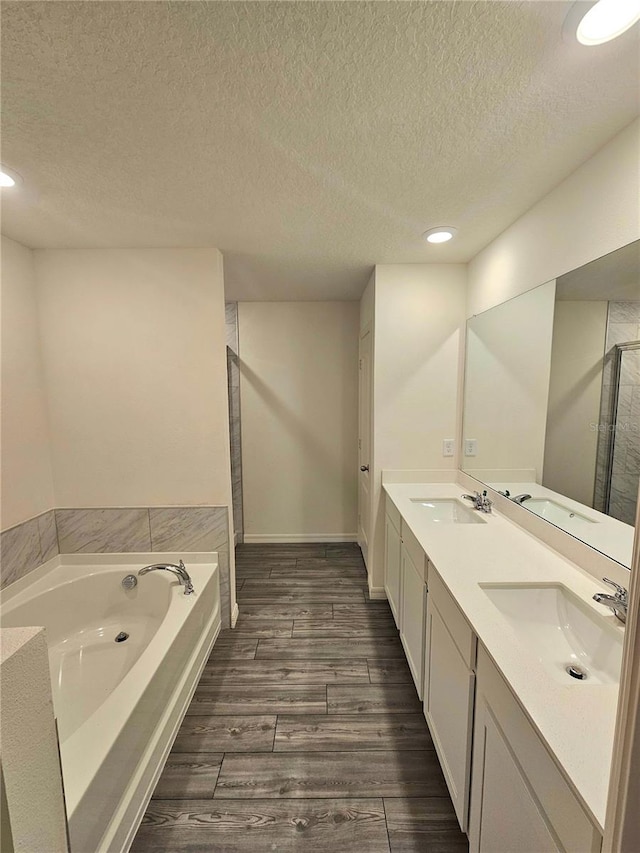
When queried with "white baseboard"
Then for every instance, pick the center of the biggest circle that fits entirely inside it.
(234, 615)
(377, 593)
(293, 538)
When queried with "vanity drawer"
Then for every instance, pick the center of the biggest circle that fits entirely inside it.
(457, 625)
(414, 549)
(393, 514)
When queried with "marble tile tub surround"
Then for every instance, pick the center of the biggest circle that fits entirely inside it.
(26, 546)
(106, 530)
(101, 531)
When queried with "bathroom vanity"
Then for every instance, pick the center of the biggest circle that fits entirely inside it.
(491, 619)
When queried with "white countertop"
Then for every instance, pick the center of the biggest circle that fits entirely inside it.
(576, 721)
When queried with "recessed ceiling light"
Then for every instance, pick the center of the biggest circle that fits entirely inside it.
(9, 178)
(440, 234)
(607, 20)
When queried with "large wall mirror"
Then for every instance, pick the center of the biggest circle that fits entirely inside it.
(552, 401)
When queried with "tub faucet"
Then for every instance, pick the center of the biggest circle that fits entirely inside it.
(618, 602)
(179, 571)
(520, 499)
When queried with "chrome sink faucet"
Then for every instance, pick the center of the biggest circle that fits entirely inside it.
(480, 501)
(179, 571)
(520, 499)
(618, 602)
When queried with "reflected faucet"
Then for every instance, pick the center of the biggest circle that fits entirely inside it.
(520, 499)
(179, 571)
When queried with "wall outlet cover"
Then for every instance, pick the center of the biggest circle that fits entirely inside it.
(448, 447)
(470, 446)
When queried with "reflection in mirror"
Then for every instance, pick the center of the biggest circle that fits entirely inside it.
(616, 490)
(552, 400)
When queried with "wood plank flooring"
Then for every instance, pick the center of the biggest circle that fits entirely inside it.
(305, 732)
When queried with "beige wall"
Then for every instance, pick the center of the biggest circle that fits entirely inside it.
(419, 326)
(508, 359)
(27, 483)
(133, 344)
(419, 310)
(594, 211)
(579, 332)
(299, 397)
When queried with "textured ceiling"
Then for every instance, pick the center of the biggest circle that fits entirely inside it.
(308, 141)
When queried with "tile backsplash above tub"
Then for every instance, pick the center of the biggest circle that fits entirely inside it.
(113, 530)
(103, 531)
(27, 545)
(193, 528)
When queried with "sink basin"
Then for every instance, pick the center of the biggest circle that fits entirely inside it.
(447, 511)
(556, 513)
(561, 631)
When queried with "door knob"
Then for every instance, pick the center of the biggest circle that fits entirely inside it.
(364, 468)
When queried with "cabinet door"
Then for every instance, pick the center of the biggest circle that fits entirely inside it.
(448, 708)
(392, 568)
(413, 591)
(520, 799)
(509, 816)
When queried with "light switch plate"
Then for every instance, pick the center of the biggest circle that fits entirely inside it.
(448, 447)
(470, 446)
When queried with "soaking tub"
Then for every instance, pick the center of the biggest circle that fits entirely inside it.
(118, 704)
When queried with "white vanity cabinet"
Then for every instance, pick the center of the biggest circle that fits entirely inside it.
(405, 586)
(413, 604)
(519, 798)
(392, 559)
(449, 681)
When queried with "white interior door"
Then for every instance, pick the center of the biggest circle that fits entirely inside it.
(364, 444)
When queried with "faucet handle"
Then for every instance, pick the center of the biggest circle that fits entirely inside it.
(621, 592)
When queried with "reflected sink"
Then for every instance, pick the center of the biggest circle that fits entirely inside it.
(561, 630)
(447, 511)
(557, 513)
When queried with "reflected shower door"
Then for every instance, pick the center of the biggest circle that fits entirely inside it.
(624, 460)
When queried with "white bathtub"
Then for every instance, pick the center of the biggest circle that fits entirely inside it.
(118, 705)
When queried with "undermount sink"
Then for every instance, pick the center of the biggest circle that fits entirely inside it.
(574, 643)
(557, 513)
(447, 511)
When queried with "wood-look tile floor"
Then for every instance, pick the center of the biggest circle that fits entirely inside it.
(305, 732)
